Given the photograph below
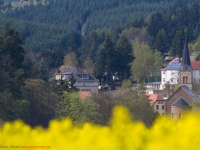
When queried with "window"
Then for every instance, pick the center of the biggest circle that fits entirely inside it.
(163, 107)
(185, 79)
(84, 76)
(88, 83)
(164, 95)
(163, 79)
(79, 84)
(158, 102)
(163, 72)
(157, 107)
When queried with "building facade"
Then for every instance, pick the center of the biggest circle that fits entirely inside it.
(158, 103)
(181, 71)
(84, 81)
(180, 102)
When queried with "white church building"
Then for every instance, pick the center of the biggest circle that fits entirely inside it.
(181, 71)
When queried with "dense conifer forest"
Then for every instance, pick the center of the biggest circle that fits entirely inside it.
(51, 23)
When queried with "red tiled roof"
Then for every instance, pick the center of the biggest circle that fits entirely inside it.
(62, 68)
(195, 65)
(155, 97)
(84, 94)
(176, 58)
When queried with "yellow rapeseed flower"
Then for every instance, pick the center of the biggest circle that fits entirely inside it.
(121, 134)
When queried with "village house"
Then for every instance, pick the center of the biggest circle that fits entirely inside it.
(181, 71)
(180, 102)
(158, 103)
(84, 81)
(184, 73)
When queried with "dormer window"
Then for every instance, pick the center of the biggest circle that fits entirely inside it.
(84, 76)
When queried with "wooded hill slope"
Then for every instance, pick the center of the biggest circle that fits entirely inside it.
(89, 15)
(52, 24)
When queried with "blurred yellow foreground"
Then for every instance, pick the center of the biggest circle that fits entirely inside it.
(122, 134)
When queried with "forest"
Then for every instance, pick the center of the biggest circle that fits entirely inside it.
(128, 39)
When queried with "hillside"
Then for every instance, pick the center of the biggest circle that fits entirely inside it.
(89, 15)
(37, 36)
(50, 23)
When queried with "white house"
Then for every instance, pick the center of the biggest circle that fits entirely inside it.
(170, 74)
(181, 71)
(196, 71)
(84, 81)
(158, 103)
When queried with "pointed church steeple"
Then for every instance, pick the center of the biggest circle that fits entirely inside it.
(185, 63)
(186, 76)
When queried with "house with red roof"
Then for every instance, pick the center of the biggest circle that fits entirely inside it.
(158, 103)
(196, 71)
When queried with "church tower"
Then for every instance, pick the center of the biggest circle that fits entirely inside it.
(186, 69)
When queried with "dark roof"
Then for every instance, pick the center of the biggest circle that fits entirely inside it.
(69, 70)
(188, 91)
(174, 64)
(185, 63)
(180, 102)
(192, 95)
(80, 71)
(76, 72)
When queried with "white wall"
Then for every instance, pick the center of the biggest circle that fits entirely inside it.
(196, 76)
(160, 105)
(87, 85)
(163, 77)
(167, 76)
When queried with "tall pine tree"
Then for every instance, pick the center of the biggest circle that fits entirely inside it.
(124, 57)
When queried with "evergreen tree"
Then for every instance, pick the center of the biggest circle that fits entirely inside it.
(11, 58)
(13, 106)
(194, 14)
(160, 42)
(124, 57)
(106, 62)
(99, 67)
(58, 56)
(155, 24)
(110, 53)
(178, 42)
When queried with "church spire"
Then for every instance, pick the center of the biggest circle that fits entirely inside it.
(185, 64)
